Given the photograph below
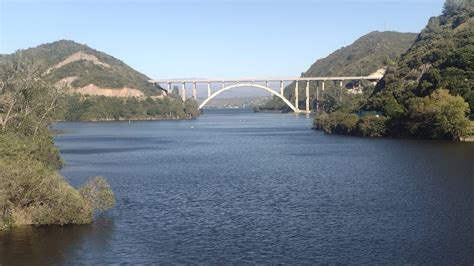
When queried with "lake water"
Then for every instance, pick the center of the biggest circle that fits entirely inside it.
(240, 187)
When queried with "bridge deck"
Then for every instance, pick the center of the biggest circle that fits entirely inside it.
(265, 79)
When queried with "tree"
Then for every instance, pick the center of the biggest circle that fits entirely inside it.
(191, 108)
(439, 116)
(451, 6)
(26, 101)
(98, 193)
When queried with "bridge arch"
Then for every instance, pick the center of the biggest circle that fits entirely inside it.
(249, 85)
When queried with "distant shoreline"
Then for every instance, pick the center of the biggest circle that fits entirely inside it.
(132, 119)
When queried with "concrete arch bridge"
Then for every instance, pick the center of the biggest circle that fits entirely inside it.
(260, 84)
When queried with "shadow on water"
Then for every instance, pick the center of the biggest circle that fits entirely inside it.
(52, 245)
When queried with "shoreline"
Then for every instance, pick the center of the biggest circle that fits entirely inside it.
(132, 119)
(462, 140)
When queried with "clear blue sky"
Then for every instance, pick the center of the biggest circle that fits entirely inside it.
(209, 38)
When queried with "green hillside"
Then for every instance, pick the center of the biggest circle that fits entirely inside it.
(365, 56)
(88, 65)
(431, 89)
(100, 87)
(429, 93)
(441, 57)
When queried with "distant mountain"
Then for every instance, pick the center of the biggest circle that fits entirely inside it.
(102, 87)
(369, 54)
(88, 71)
(365, 56)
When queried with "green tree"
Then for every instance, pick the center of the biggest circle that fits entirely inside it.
(439, 116)
(191, 108)
(98, 193)
(26, 101)
(452, 6)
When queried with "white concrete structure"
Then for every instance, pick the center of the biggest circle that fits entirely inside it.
(254, 83)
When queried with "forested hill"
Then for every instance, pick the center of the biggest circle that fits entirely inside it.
(430, 91)
(368, 54)
(442, 57)
(365, 56)
(87, 71)
(99, 86)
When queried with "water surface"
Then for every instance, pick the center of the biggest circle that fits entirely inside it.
(239, 187)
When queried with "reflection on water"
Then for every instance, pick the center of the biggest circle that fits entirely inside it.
(253, 188)
(47, 245)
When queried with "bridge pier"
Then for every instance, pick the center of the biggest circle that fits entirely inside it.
(307, 96)
(317, 96)
(169, 87)
(322, 90)
(341, 90)
(183, 91)
(208, 89)
(194, 91)
(281, 88)
(296, 96)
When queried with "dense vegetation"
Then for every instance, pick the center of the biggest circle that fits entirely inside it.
(365, 56)
(351, 124)
(117, 75)
(31, 190)
(101, 108)
(430, 92)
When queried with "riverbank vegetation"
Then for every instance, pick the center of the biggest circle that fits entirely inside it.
(102, 108)
(31, 190)
(430, 92)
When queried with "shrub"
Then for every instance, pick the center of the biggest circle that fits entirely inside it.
(439, 116)
(37, 148)
(371, 126)
(98, 193)
(337, 122)
(33, 194)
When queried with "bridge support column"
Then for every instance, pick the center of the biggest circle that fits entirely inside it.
(317, 97)
(183, 92)
(194, 91)
(341, 90)
(307, 96)
(296, 96)
(322, 90)
(281, 87)
(169, 87)
(208, 89)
